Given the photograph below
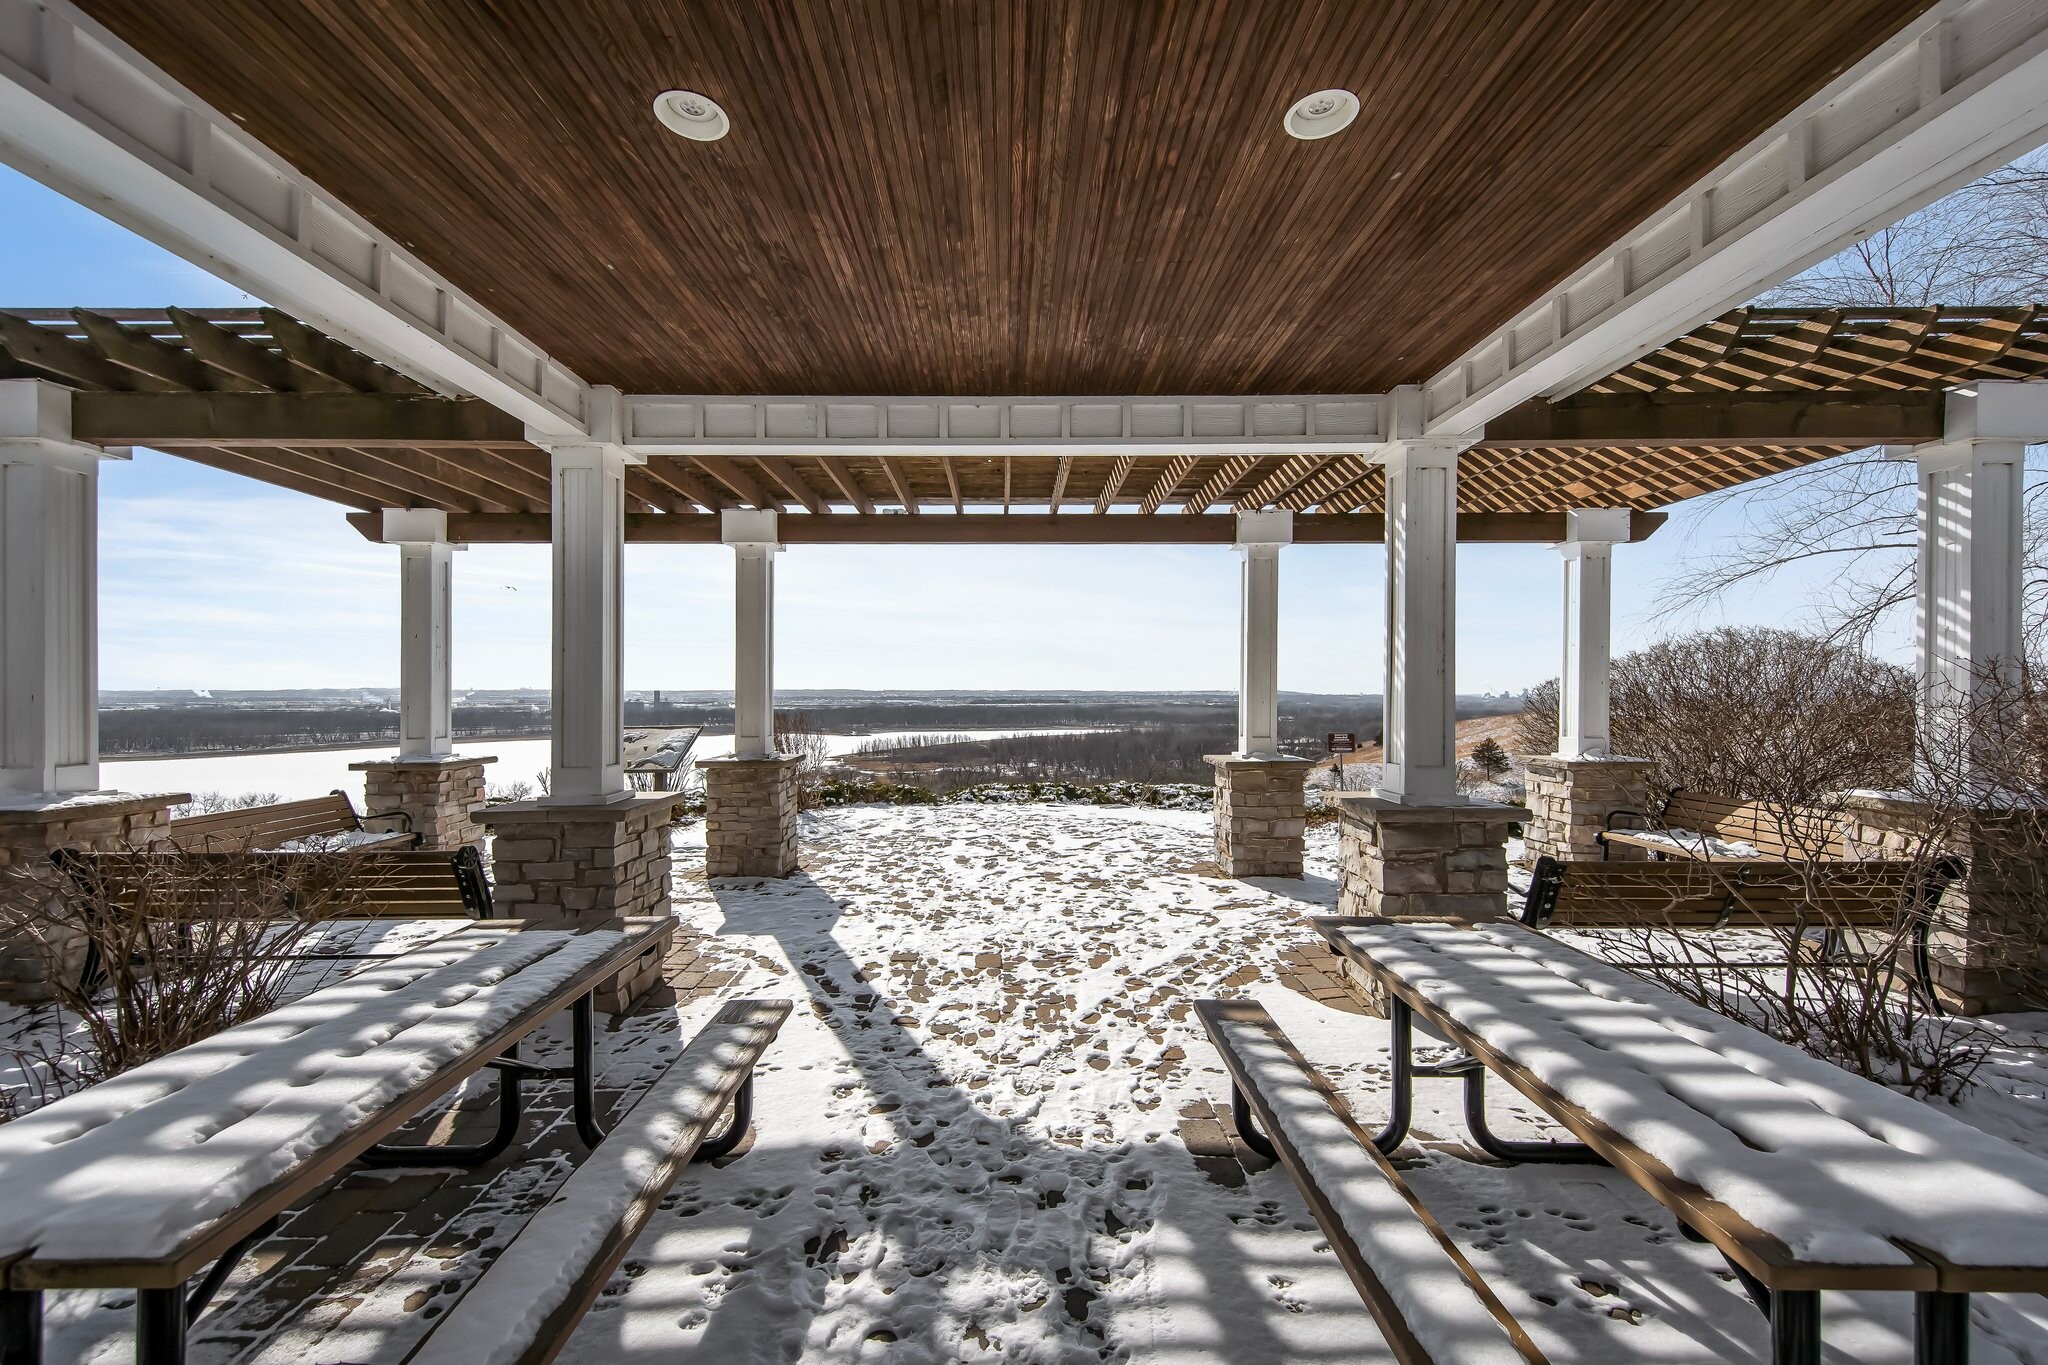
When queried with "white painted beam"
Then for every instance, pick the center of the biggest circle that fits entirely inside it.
(658, 424)
(88, 116)
(752, 535)
(1957, 93)
(1260, 535)
(1588, 553)
(49, 594)
(426, 593)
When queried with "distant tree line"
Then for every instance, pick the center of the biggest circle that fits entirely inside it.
(190, 730)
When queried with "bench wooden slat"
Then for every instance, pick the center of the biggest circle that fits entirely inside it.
(523, 1308)
(1751, 893)
(385, 883)
(169, 1196)
(1431, 1305)
(269, 825)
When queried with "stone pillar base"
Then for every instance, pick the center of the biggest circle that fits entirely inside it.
(1989, 950)
(750, 816)
(1440, 860)
(440, 797)
(559, 865)
(1261, 814)
(618, 995)
(32, 826)
(1570, 800)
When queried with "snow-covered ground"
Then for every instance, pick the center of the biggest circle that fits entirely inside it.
(973, 1138)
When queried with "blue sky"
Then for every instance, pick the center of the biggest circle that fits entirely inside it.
(210, 580)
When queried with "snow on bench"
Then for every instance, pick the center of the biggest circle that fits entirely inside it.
(523, 1308)
(1839, 1170)
(1692, 843)
(138, 1166)
(1428, 1300)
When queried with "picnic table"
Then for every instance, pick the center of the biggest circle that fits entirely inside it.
(1804, 1177)
(148, 1178)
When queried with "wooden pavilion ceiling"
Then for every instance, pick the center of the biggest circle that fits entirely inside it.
(1007, 196)
(207, 366)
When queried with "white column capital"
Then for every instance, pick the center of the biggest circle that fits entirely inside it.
(750, 528)
(1589, 527)
(1997, 410)
(1264, 530)
(36, 414)
(414, 526)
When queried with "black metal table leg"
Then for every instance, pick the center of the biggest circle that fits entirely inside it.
(21, 1326)
(584, 1065)
(1941, 1329)
(196, 1301)
(1795, 1327)
(1401, 1048)
(160, 1326)
(1247, 1127)
(742, 1115)
(511, 1072)
(1508, 1149)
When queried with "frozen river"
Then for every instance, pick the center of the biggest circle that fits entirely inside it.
(314, 772)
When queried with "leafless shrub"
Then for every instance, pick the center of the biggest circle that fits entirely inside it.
(794, 735)
(1764, 715)
(213, 803)
(153, 948)
(502, 793)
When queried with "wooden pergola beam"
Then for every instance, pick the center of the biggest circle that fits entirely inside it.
(1728, 419)
(1018, 528)
(793, 483)
(362, 420)
(136, 350)
(743, 484)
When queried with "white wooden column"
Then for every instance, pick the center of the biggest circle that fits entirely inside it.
(752, 535)
(1259, 538)
(1422, 588)
(1588, 549)
(49, 594)
(1971, 548)
(426, 573)
(589, 607)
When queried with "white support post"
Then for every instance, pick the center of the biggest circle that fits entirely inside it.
(1259, 538)
(426, 572)
(1971, 547)
(1420, 728)
(1588, 549)
(589, 623)
(753, 537)
(49, 594)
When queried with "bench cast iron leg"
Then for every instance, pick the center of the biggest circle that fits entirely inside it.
(1247, 1127)
(1401, 1048)
(1795, 1327)
(160, 1326)
(712, 1148)
(21, 1326)
(1941, 1329)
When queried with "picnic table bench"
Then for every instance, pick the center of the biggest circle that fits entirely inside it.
(1804, 1177)
(320, 822)
(1894, 899)
(149, 1178)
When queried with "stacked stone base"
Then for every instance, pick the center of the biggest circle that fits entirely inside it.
(750, 824)
(1435, 861)
(643, 974)
(34, 826)
(1569, 800)
(1989, 952)
(563, 866)
(441, 798)
(1261, 814)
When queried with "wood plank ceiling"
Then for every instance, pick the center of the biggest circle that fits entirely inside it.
(1007, 196)
(1852, 353)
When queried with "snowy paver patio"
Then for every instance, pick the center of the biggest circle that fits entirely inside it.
(987, 1133)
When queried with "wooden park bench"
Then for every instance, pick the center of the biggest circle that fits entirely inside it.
(1804, 1177)
(1430, 1304)
(1706, 827)
(1835, 901)
(382, 883)
(522, 1310)
(321, 822)
(172, 1171)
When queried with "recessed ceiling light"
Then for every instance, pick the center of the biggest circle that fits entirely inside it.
(692, 115)
(1321, 114)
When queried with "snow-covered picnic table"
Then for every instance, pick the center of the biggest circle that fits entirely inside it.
(1805, 1177)
(145, 1179)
